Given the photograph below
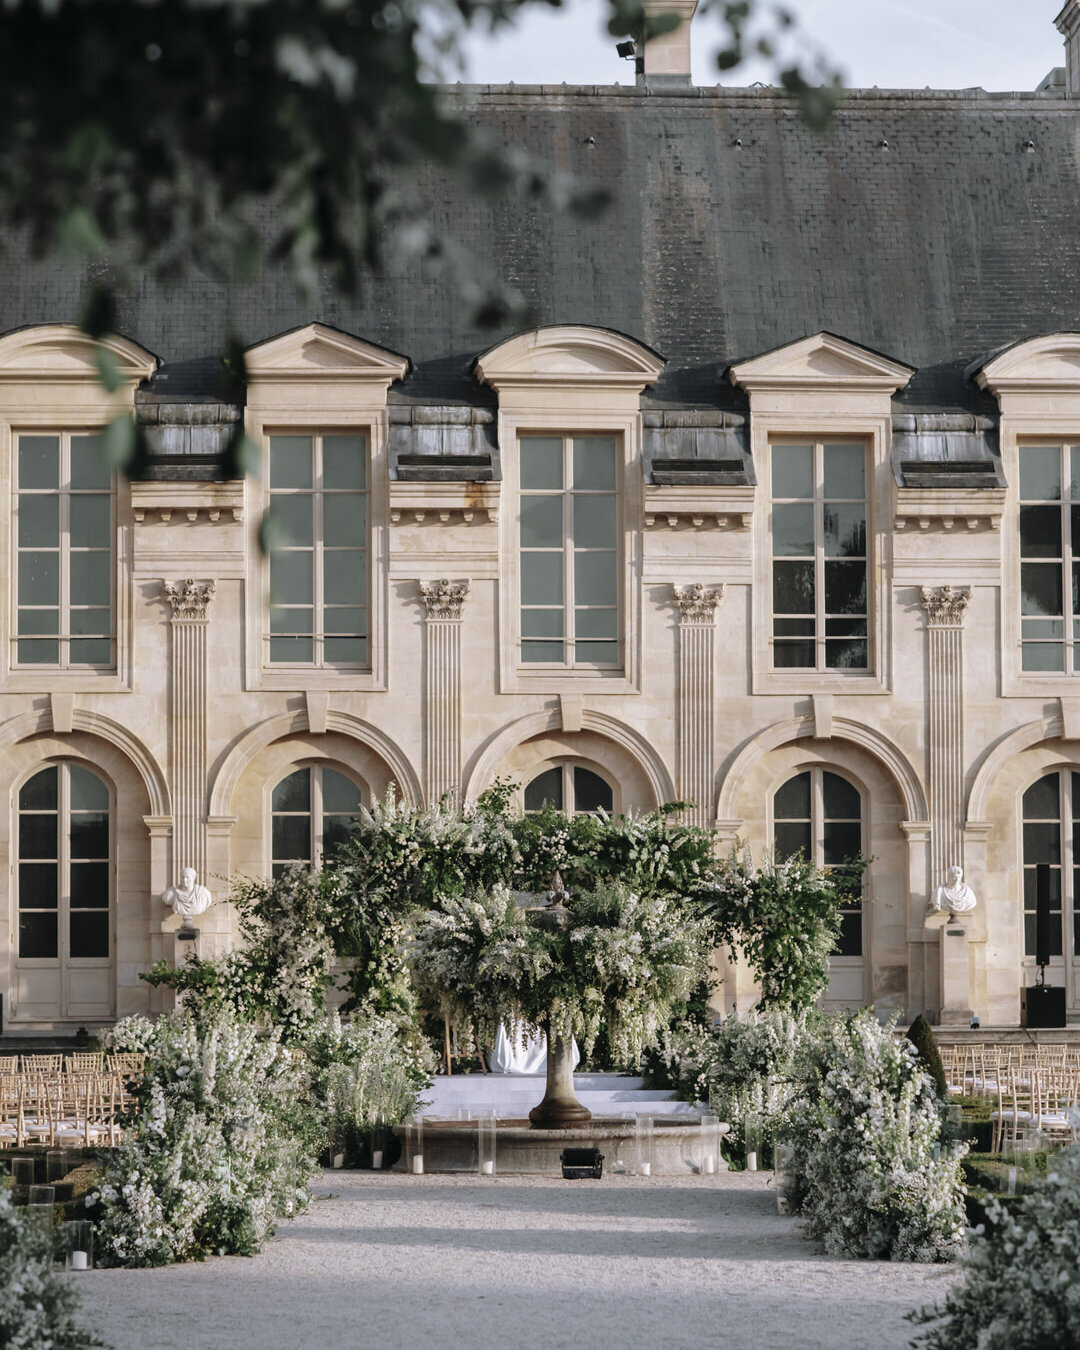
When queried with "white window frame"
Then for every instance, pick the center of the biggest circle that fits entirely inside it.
(1063, 969)
(49, 384)
(567, 765)
(315, 767)
(316, 379)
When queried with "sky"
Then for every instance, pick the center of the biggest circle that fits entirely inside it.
(894, 44)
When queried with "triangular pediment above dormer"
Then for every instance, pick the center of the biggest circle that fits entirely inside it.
(61, 352)
(822, 361)
(316, 352)
(569, 354)
(1039, 364)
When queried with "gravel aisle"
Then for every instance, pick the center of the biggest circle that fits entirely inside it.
(403, 1263)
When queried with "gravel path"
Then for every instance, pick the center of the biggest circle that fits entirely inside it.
(396, 1262)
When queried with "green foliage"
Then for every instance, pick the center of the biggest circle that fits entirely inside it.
(921, 1037)
(38, 1306)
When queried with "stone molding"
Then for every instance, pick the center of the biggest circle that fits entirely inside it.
(697, 603)
(189, 599)
(945, 606)
(444, 598)
(696, 694)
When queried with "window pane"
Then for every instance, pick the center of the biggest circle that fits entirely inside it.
(541, 623)
(344, 576)
(39, 462)
(88, 467)
(846, 654)
(842, 840)
(840, 799)
(793, 587)
(542, 579)
(591, 793)
(594, 463)
(89, 622)
(290, 462)
(296, 620)
(793, 471)
(792, 800)
(790, 838)
(292, 578)
(542, 653)
(1031, 887)
(344, 463)
(594, 521)
(545, 790)
(291, 649)
(88, 792)
(90, 578)
(596, 579)
(1042, 842)
(38, 653)
(340, 794)
(336, 831)
(596, 623)
(89, 934)
(38, 836)
(845, 530)
(542, 522)
(37, 935)
(345, 521)
(1043, 656)
(89, 834)
(293, 793)
(45, 621)
(845, 588)
(1040, 473)
(345, 651)
(90, 652)
(39, 578)
(1041, 800)
(39, 521)
(597, 653)
(90, 519)
(845, 470)
(793, 654)
(1040, 588)
(1040, 531)
(90, 885)
(37, 886)
(40, 792)
(346, 620)
(295, 514)
(541, 462)
(793, 529)
(291, 838)
(849, 943)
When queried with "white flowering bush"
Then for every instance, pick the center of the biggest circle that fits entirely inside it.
(872, 1174)
(1021, 1290)
(625, 959)
(221, 1144)
(38, 1308)
(365, 1073)
(135, 1035)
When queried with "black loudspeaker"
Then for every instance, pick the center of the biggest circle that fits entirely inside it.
(1044, 1005)
(1042, 914)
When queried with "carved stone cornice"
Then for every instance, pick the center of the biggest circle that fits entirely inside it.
(697, 603)
(945, 606)
(189, 599)
(444, 598)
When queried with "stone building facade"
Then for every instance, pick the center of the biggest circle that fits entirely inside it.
(771, 512)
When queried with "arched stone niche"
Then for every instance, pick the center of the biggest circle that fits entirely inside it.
(134, 894)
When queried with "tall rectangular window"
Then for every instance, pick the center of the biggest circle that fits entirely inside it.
(819, 556)
(64, 559)
(318, 564)
(569, 551)
(1049, 575)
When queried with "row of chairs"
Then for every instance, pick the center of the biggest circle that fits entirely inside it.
(72, 1110)
(977, 1070)
(76, 1063)
(1033, 1107)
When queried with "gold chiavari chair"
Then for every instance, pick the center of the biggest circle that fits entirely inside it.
(85, 1062)
(1016, 1108)
(126, 1063)
(42, 1063)
(9, 1065)
(11, 1111)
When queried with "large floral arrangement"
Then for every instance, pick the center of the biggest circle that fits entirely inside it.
(37, 1306)
(1021, 1290)
(872, 1174)
(368, 1072)
(220, 1144)
(623, 958)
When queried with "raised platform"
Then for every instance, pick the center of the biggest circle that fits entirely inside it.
(514, 1095)
(678, 1147)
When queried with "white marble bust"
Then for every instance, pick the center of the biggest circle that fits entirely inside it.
(955, 896)
(189, 898)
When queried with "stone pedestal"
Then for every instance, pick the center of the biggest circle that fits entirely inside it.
(954, 965)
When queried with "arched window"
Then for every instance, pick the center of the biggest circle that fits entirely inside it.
(1051, 816)
(819, 814)
(571, 788)
(63, 866)
(312, 812)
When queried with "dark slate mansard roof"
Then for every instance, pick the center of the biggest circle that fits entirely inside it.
(934, 227)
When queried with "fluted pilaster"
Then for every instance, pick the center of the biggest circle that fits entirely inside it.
(697, 641)
(945, 608)
(189, 601)
(443, 601)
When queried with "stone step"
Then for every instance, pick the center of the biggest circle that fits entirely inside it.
(513, 1095)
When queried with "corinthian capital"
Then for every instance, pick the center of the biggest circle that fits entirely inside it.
(444, 598)
(189, 599)
(697, 603)
(945, 606)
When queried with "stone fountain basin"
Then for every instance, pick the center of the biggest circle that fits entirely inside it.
(453, 1146)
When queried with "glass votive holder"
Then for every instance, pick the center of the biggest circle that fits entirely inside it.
(414, 1146)
(752, 1140)
(78, 1245)
(56, 1164)
(41, 1195)
(782, 1160)
(22, 1172)
(486, 1130)
(644, 1138)
(710, 1143)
